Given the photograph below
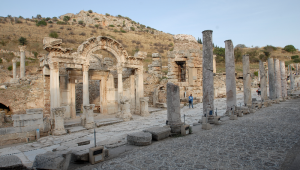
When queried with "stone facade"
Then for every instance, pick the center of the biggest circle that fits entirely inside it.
(156, 66)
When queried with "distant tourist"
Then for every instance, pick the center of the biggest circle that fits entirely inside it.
(191, 101)
(258, 91)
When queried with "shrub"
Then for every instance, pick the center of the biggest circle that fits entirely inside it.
(18, 64)
(0, 60)
(80, 22)
(294, 56)
(22, 41)
(107, 14)
(71, 33)
(48, 18)
(53, 34)
(296, 60)
(97, 26)
(69, 28)
(41, 23)
(61, 28)
(50, 22)
(114, 20)
(170, 45)
(87, 14)
(96, 18)
(115, 30)
(54, 19)
(90, 11)
(50, 26)
(74, 20)
(9, 68)
(66, 18)
(111, 26)
(20, 17)
(132, 28)
(270, 48)
(123, 31)
(61, 23)
(289, 48)
(82, 34)
(38, 16)
(35, 54)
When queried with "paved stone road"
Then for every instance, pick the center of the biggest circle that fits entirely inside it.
(257, 141)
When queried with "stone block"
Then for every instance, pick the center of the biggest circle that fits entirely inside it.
(53, 160)
(139, 138)
(185, 130)
(159, 133)
(33, 117)
(252, 110)
(233, 117)
(10, 162)
(206, 126)
(240, 114)
(96, 154)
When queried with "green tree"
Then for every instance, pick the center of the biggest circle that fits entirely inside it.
(238, 54)
(240, 46)
(289, 48)
(90, 11)
(41, 22)
(53, 34)
(80, 22)
(23, 41)
(38, 16)
(220, 53)
(66, 18)
(199, 40)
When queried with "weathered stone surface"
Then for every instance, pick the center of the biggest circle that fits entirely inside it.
(230, 75)
(125, 110)
(208, 77)
(144, 106)
(277, 79)
(139, 138)
(263, 81)
(89, 116)
(3, 87)
(159, 133)
(206, 126)
(272, 89)
(59, 128)
(52, 160)
(173, 106)
(33, 117)
(247, 81)
(11, 162)
(283, 79)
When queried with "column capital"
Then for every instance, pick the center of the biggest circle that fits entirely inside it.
(85, 67)
(119, 70)
(54, 65)
(58, 111)
(22, 48)
(14, 61)
(89, 107)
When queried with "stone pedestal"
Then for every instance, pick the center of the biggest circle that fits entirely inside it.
(247, 81)
(208, 76)
(230, 75)
(173, 105)
(58, 113)
(277, 79)
(263, 81)
(88, 111)
(22, 61)
(125, 110)
(144, 106)
(272, 89)
(283, 79)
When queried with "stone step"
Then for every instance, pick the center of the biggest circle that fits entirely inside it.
(106, 122)
(72, 124)
(75, 129)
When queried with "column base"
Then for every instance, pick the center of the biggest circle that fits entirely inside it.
(58, 132)
(89, 125)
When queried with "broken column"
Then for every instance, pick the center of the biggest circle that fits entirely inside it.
(173, 106)
(125, 110)
(283, 79)
(214, 64)
(247, 80)
(230, 75)
(144, 106)
(263, 81)
(88, 111)
(208, 77)
(272, 90)
(58, 113)
(22, 61)
(277, 79)
(14, 79)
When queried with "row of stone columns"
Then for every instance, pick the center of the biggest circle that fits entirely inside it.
(22, 65)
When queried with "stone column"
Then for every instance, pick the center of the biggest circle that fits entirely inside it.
(277, 79)
(14, 68)
(214, 63)
(139, 89)
(132, 94)
(73, 98)
(22, 61)
(283, 79)
(144, 106)
(59, 128)
(125, 110)
(272, 90)
(54, 86)
(173, 106)
(247, 81)
(85, 86)
(120, 87)
(258, 75)
(208, 76)
(292, 78)
(230, 75)
(263, 81)
(88, 111)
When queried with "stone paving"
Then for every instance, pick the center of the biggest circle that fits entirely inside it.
(255, 141)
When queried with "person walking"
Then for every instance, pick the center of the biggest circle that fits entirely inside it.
(191, 101)
(258, 91)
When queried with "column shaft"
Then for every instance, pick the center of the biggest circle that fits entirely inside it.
(283, 79)
(247, 81)
(73, 98)
(263, 81)
(277, 79)
(14, 69)
(54, 86)
(85, 86)
(272, 94)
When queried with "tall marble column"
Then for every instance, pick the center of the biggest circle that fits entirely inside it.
(22, 61)
(120, 87)
(277, 79)
(272, 90)
(85, 86)
(263, 81)
(139, 89)
(14, 68)
(247, 81)
(283, 79)
(54, 86)
(73, 98)
(230, 75)
(214, 64)
(208, 76)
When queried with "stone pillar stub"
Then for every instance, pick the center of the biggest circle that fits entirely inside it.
(283, 79)
(85, 85)
(173, 106)
(247, 81)
(272, 90)
(263, 81)
(230, 75)
(59, 128)
(208, 76)
(277, 79)
(125, 110)
(88, 111)
(22, 61)
(144, 106)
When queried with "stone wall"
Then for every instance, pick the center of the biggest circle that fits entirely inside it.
(94, 94)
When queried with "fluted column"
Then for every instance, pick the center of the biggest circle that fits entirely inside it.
(54, 86)
(85, 86)
(263, 81)
(230, 75)
(208, 76)
(247, 81)
(22, 61)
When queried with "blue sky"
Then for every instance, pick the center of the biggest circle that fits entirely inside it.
(252, 22)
